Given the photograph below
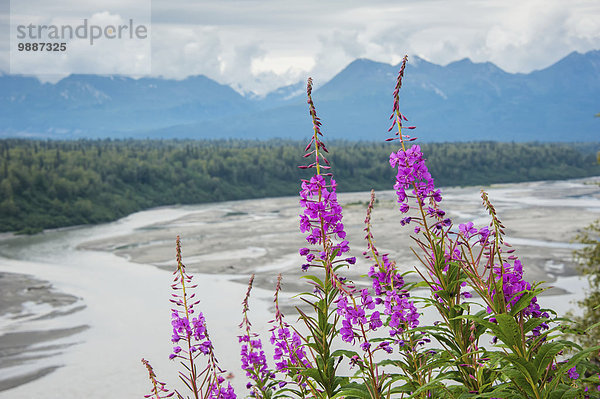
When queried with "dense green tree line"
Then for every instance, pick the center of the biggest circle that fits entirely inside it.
(47, 184)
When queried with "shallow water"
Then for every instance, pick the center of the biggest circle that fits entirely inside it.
(126, 304)
(126, 309)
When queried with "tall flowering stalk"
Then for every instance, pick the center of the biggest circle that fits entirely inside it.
(190, 339)
(419, 200)
(290, 355)
(448, 265)
(159, 389)
(322, 221)
(254, 360)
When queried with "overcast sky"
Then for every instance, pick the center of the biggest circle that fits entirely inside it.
(260, 45)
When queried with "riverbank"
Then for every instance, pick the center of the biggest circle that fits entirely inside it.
(24, 299)
(262, 237)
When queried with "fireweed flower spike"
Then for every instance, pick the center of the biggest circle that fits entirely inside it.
(322, 216)
(290, 356)
(412, 170)
(190, 339)
(507, 278)
(158, 388)
(400, 314)
(254, 361)
(389, 287)
(440, 255)
(322, 221)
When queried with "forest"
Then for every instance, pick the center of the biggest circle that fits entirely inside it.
(49, 184)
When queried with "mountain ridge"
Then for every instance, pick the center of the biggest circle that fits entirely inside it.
(460, 101)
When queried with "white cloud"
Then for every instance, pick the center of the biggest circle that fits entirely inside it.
(257, 45)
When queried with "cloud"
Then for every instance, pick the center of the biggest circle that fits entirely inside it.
(258, 45)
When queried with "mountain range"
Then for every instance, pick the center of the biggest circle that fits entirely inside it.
(457, 102)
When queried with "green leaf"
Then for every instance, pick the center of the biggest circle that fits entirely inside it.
(433, 384)
(518, 380)
(313, 373)
(545, 355)
(527, 368)
(343, 352)
(354, 390)
(532, 323)
(564, 393)
(315, 279)
(511, 333)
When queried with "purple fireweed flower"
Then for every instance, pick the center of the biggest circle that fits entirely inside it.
(402, 312)
(354, 313)
(366, 299)
(513, 287)
(388, 286)
(484, 233)
(199, 327)
(289, 351)
(375, 321)
(412, 173)
(218, 391)
(253, 358)
(347, 331)
(387, 278)
(385, 345)
(322, 213)
(254, 361)
(467, 230)
(194, 333)
(341, 247)
(356, 320)
(572, 373)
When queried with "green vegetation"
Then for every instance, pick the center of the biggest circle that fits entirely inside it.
(48, 184)
(589, 265)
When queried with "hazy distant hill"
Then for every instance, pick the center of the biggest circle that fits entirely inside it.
(460, 101)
